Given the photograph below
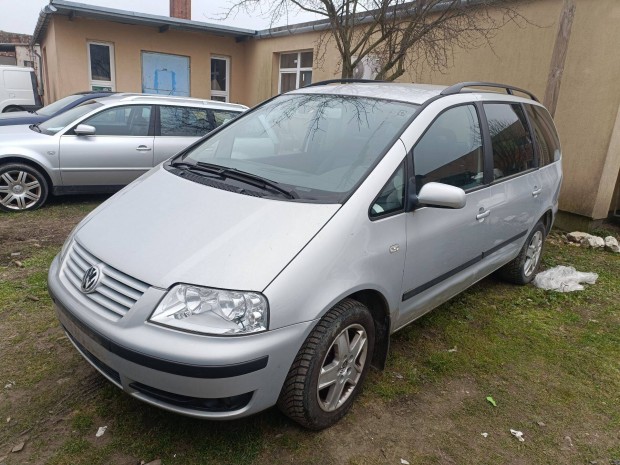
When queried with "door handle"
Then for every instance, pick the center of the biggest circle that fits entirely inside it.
(143, 148)
(536, 191)
(483, 214)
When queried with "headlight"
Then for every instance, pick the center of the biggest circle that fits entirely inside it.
(212, 311)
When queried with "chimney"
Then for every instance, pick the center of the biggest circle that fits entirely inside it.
(181, 9)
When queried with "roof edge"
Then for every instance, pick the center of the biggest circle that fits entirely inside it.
(67, 8)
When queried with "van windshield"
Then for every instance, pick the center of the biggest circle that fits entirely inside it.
(59, 122)
(320, 145)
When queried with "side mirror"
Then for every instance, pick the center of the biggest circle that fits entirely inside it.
(84, 130)
(436, 194)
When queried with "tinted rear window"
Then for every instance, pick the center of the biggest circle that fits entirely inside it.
(545, 135)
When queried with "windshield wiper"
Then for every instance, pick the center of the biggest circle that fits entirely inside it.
(192, 166)
(35, 127)
(248, 178)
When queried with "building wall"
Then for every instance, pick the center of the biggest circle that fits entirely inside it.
(129, 41)
(52, 76)
(587, 111)
(520, 55)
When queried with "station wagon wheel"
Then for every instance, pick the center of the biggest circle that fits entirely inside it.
(22, 188)
(330, 368)
(523, 268)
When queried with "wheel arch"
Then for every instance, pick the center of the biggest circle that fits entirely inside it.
(32, 164)
(8, 108)
(380, 311)
(547, 220)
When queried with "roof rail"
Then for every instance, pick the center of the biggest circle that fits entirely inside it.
(340, 81)
(457, 88)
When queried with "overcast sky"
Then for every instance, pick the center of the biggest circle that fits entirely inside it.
(21, 15)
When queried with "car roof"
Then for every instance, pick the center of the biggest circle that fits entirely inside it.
(404, 92)
(413, 93)
(168, 100)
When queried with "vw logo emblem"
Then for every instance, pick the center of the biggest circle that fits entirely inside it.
(90, 279)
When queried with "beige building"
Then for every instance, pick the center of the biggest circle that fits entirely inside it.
(87, 47)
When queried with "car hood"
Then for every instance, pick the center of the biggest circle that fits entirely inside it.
(166, 230)
(17, 130)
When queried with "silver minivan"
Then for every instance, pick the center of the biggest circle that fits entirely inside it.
(270, 262)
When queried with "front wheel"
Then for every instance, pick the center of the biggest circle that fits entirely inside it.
(330, 368)
(523, 268)
(12, 109)
(22, 188)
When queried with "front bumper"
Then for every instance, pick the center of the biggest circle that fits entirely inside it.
(200, 376)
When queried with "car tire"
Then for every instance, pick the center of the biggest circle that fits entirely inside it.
(338, 352)
(12, 109)
(22, 188)
(523, 268)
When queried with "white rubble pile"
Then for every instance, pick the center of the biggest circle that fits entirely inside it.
(610, 243)
(563, 279)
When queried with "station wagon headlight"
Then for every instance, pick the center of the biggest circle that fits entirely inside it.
(212, 311)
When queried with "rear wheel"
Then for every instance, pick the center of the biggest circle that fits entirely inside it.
(22, 188)
(330, 368)
(523, 268)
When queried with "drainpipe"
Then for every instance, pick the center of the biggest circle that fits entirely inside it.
(40, 60)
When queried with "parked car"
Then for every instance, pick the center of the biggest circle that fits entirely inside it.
(100, 146)
(49, 111)
(18, 89)
(269, 263)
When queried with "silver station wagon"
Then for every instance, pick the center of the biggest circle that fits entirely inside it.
(270, 262)
(100, 146)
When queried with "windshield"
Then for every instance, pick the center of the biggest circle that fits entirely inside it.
(320, 145)
(59, 122)
(58, 105)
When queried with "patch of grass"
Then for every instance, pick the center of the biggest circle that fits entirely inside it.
(543, 356)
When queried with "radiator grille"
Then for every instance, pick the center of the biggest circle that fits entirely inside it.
(116, 292)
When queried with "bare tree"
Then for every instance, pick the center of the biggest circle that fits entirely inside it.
(395, 35)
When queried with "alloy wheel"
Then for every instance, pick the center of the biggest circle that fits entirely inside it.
(342, 367)
(532, 255)
(19, 190)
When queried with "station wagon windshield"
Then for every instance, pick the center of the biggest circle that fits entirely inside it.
(319, 145)
(59, 122)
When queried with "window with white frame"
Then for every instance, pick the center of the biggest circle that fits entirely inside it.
(220, 78)
(101, 65)
(295, 70)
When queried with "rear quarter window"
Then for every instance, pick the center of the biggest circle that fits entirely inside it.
(545, 135)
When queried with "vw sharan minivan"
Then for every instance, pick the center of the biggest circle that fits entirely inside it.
(269, 262)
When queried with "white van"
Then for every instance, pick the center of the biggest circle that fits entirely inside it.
(18, 89)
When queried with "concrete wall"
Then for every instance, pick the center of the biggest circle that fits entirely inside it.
(71, 62)
(52, 76)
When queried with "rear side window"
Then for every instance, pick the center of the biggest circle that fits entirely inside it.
(223, 116)
(545, 136)
(184, 121)
(450, 151)
(513, 150)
